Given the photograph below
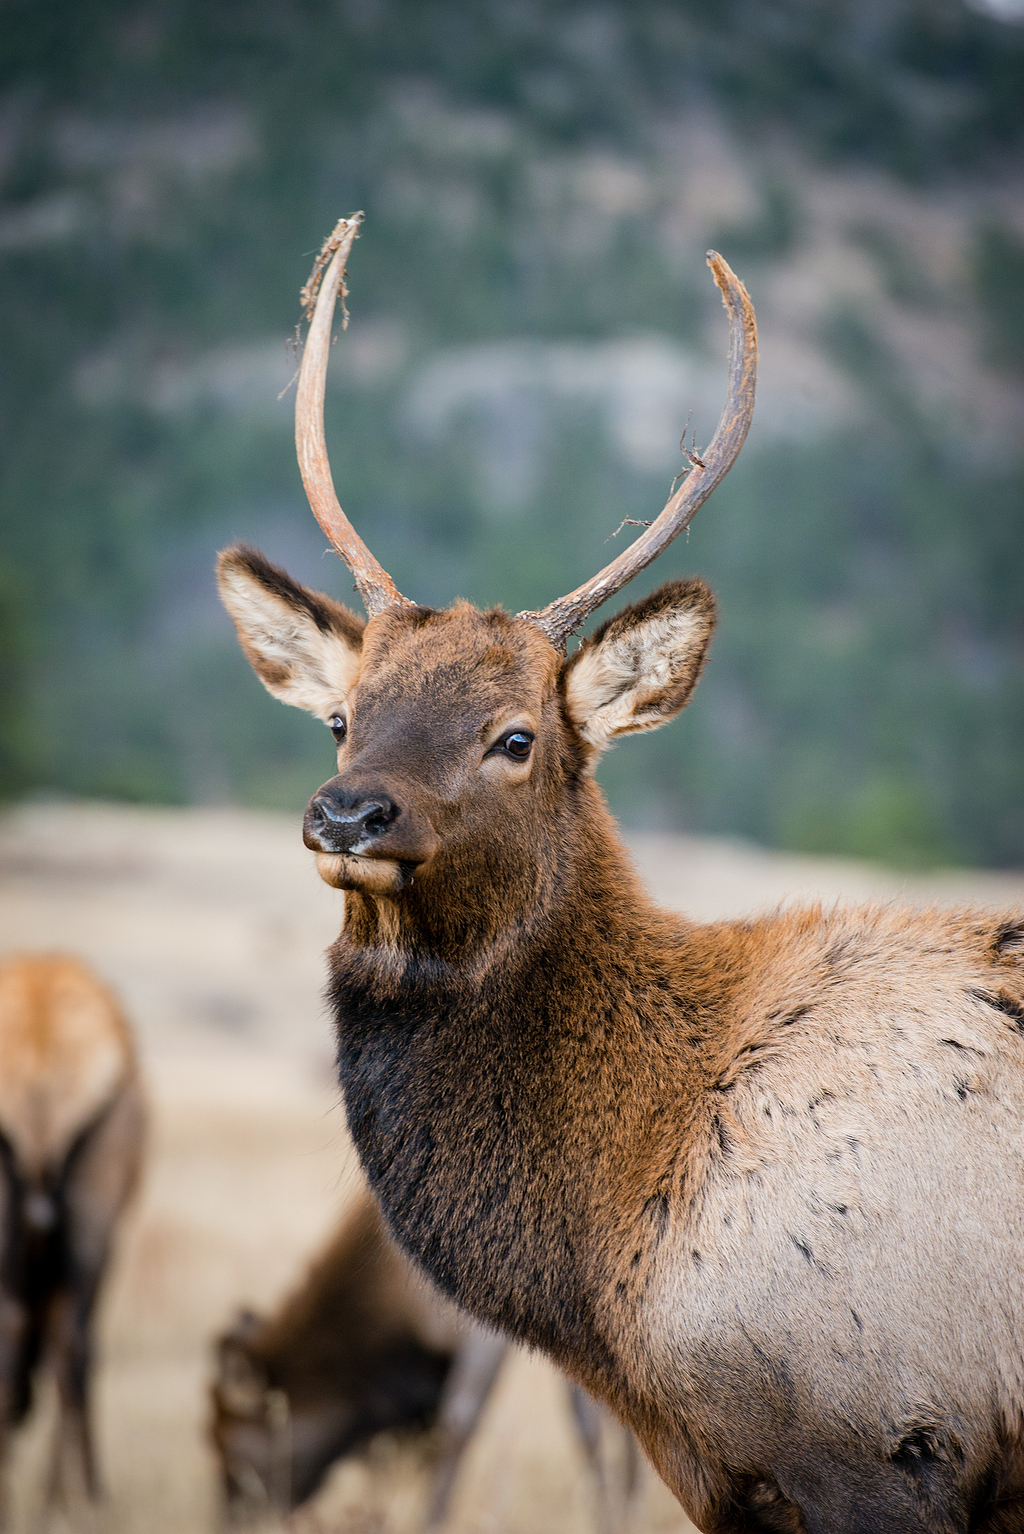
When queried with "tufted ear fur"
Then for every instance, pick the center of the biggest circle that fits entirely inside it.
(303, 647)
(639, 669)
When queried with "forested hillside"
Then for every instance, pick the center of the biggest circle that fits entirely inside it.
(532, 325)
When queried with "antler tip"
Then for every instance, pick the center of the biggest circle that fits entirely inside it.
(720, 268)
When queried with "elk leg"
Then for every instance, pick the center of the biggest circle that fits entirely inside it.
(73, 1470)
(98, 1178)
(14, 1322)
(587, 1415)
(464, 1397)
(611, 1513)
(590, 1419)
(634, 1465)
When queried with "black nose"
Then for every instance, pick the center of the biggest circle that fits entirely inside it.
(340, 820)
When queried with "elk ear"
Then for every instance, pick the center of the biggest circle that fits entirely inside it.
(639, 669)
(303, 647)
(241, 1383)
(241, 1378)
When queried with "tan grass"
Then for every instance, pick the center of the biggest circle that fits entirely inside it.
(211, 925)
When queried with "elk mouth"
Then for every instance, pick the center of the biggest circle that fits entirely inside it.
(373, 875)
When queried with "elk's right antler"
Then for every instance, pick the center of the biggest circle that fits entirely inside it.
(376, 587)
(560, 618)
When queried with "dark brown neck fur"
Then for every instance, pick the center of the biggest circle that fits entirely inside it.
(540, 1060)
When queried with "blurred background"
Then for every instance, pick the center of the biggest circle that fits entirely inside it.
(532, 325)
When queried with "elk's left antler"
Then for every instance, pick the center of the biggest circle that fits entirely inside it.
(560, 618)
(376, 587)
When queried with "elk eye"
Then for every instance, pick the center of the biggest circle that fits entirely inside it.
(516, 745)
(338, 727)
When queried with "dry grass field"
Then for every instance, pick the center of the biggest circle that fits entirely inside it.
(211, 926)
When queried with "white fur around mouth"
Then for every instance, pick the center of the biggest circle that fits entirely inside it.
(377, 876)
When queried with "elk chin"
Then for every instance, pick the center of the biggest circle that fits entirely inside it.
(371, 876)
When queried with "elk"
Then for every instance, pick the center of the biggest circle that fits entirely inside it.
(363, 1345)
(757, 1185)
(72, 1124)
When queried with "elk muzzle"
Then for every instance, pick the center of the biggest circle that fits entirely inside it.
(364, 837)
(337, 821)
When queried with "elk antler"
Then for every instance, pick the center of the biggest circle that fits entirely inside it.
(560, 618)
(376, 587)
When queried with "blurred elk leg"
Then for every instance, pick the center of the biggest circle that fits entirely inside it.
(465, 1395)
(611, 1505)
(99, 1175)
(633, 1467)
(73, 1479)
(13, 1334)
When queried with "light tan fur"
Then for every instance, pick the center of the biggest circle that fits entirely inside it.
(859, 1046)
(64, 1051)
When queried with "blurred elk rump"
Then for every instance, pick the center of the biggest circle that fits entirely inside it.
(72, 1122)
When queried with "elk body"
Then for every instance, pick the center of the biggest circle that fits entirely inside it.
(364, 1345)
(758, 1185)
(71, 1134)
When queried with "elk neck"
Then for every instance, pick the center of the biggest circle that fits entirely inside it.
(542, 1052)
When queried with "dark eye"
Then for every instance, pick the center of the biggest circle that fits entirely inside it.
(516, 745)
(338, 727)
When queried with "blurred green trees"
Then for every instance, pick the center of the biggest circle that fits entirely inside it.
(529, 271)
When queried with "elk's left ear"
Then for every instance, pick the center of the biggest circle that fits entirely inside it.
(639, 669)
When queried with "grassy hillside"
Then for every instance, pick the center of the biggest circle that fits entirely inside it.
(532, 323)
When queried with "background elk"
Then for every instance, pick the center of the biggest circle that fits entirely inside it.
(364, 1345)
(758, 1185)
(71, 1136)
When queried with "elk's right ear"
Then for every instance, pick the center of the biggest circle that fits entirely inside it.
(303, 647)
(640, 667)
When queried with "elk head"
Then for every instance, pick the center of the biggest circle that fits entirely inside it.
(459, 732)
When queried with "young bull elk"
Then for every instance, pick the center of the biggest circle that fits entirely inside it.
(364, 1345)
(71, 1133)
(758, 1185)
